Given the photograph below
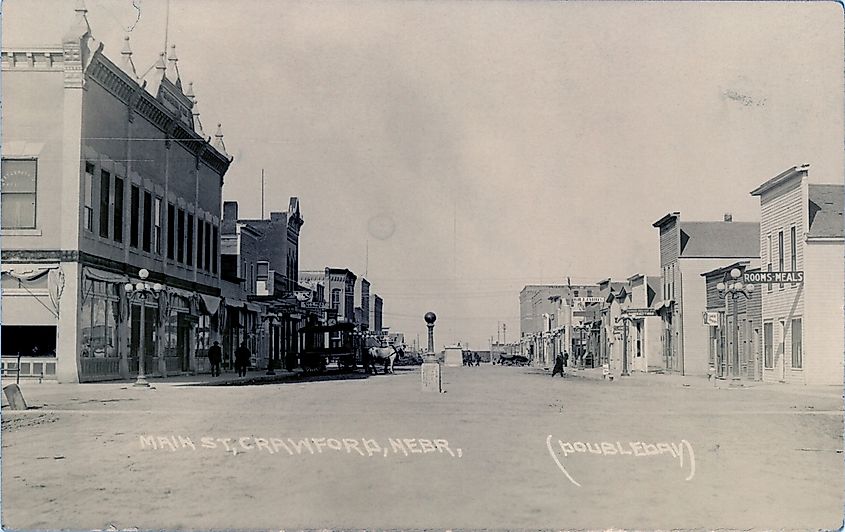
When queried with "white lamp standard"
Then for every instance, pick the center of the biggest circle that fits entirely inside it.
(734, 289)
(141, 291)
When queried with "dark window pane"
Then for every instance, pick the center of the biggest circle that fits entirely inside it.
(148, 220)
(134, 208)
(214, 257)
(200, 244)
(180, 236)
(207, 246)
(105, 186)
(190, 255)
(171, 218)
(118, 209)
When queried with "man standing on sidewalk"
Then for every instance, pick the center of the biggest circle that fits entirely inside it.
(242, 359)
(558, 365)
(215, 357)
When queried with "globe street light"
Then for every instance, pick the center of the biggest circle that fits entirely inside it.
(734, 289)
(141, 291)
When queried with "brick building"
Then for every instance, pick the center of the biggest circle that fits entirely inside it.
(104, 174)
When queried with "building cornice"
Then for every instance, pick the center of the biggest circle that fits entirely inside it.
(117, 82)
(781, 178)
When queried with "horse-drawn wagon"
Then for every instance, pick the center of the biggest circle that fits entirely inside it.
(342, 346)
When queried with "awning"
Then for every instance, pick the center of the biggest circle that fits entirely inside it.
(27, 273)
(344, 326)
(102, 276)
(209, 304)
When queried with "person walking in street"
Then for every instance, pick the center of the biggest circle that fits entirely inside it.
(558, 365)
(215, 357)
(242, 359)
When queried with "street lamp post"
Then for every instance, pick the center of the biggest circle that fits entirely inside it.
(141, 291)
(734, 289)
(625, 321)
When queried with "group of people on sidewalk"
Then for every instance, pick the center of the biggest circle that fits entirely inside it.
(215, 358)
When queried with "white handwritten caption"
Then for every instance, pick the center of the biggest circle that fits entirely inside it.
(635, 449)
(303, 446)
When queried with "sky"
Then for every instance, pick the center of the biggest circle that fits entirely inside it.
(453, 152)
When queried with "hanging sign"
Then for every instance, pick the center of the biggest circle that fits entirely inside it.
(639, 312)
(772, 277)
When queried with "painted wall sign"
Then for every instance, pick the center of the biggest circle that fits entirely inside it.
(772, 277)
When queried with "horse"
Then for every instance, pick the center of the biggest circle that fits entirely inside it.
(386, 354)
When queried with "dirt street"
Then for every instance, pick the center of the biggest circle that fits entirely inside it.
(502, 448)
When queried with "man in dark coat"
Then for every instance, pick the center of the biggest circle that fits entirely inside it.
(215, 357)
(242, 359)
(558, 365)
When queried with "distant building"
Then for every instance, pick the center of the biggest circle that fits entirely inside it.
(801, 230)
(688, 249)
(377, 314)
(548, 316)
(362, 299)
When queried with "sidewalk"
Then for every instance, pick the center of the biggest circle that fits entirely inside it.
(53, 394)
(674, 379)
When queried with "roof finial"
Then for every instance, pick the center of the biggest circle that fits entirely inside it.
(128, 65)
(196, 113)
(160, 63)
(80, 27)
(218, 141)
(172, 68)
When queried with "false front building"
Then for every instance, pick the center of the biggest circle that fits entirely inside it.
(801, 246)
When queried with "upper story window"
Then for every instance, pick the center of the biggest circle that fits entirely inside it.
(200, 244)
(793, 249)
(134, 213)
(146, 232)
(171, 219)
(335, 298)
(105, 188)
(157, 223)
(19, 179)
(780, 253)
(180, 236)
(769, 258)
(118, 210)
(87, 198)
(215, 258)
(190, 255)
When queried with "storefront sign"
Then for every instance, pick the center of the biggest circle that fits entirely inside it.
(587, 299)
(772, 277)
(639, 312)
(711, 319)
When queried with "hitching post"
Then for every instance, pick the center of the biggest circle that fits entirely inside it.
(431, 367)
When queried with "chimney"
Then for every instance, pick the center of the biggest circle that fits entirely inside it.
(230, 211)
(729, 217)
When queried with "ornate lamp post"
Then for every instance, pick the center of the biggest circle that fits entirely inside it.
(734, 289)
(431, 367)
(141, 291)
(430, 318)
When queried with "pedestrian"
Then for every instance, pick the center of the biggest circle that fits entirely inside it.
(215, 357)
(242, 359)
(477, 358)
(566, 359)
(558, 365)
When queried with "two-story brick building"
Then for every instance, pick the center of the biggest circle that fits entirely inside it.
(688, 249)
(104, 174)
(801, 230)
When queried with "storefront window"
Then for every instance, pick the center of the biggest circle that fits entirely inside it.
(98, 320)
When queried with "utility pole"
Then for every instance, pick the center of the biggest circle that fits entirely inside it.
(504, 333)
(262, 194)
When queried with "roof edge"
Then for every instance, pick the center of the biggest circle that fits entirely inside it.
(782, 177)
